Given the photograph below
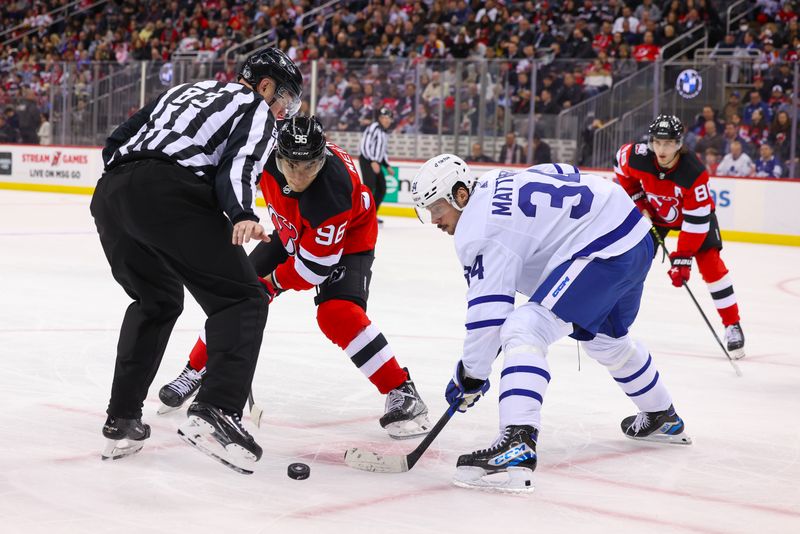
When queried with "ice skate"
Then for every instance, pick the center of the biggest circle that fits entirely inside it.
(221, 435)
(123, 437)
(734, 337)
(512, 454)
(406, 416)
(177, 392)
(661, 427)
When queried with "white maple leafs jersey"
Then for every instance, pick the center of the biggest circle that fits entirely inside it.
(518, 227)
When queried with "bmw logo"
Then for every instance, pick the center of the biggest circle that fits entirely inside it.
(689, 83)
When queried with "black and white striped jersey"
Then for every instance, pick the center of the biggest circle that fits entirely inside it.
(222, 132)
(375, 144)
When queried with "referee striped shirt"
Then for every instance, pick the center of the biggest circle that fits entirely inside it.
(375, 144)
(222, 132)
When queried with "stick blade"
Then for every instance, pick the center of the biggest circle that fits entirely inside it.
(374, 462)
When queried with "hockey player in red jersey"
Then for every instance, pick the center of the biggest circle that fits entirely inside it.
(325, 233)
(670, 186)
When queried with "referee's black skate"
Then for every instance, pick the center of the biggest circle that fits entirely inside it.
(513, 453)
(406, 416)
(123, 437)
(177, 392)
(661, 427)
(221, 435)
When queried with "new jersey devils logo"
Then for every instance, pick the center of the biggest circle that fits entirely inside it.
(286, 230)
(665, 207)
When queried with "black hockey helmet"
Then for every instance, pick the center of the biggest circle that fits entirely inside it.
(301, 139)
(666, 127)
(385, 112)
(275, 64)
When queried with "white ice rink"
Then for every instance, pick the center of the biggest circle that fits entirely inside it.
(60, 311)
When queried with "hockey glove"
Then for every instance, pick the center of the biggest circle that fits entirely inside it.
(272, 291)
(640, 199)
(464, 389)
(681, 268)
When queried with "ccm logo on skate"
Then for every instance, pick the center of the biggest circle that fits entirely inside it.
(560, 287)
(510, 455)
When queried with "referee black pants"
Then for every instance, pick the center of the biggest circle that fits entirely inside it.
(161, 229)
(375, 181)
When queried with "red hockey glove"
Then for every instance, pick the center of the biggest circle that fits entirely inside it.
(272, 291)
(640, 199)
(681, 268)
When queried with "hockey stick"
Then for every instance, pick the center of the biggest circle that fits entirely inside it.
(379, 463)
(255, 410)
(697, 305)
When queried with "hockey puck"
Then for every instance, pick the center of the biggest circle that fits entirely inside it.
(299, 471)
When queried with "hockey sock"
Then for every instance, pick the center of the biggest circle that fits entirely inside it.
(199, 355)
(347, 325)
(715, 274)
(523, 383)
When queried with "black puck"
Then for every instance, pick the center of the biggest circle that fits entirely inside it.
(299, 471)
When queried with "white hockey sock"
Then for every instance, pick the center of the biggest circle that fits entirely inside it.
(523, 383)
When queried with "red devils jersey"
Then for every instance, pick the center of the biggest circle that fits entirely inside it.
(678, 198)
(334, 216)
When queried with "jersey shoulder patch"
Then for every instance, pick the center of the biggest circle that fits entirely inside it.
(640, 149)
(330, 194)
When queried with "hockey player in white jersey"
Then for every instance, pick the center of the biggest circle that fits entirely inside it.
(578, 248)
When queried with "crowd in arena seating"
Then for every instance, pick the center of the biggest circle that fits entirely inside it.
(400, 54)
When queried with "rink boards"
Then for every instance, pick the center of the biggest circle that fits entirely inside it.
(756, 210)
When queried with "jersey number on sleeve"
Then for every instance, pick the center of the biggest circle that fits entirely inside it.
(475, 270)
(329, 234)
(557, 195)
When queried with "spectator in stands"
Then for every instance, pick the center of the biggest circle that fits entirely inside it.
(707, 114)
(777, 100)
(627, 16)
(8, 134)
(29, 117)
(546, 104)
(780, 133)
(329, 106)
(598, 77)
(477, 155)
(436, 89)
(511, 152)
(647, 6)
(784, 78)
(758, 130)
(760, 86)
(734, 105)
(570, 93)
(755, 104)
(711, 160)
(736, 163)
(768, 165)
(45, 131)
(648, 50)
(541, 151)
(711, 139)
(731, 135)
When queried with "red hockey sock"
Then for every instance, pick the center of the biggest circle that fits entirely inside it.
(199, 355)
(389, 376)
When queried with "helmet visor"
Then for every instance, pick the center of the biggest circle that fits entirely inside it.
(433, 211)
(289, 101)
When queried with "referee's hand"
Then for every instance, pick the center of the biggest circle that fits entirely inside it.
(243, 231)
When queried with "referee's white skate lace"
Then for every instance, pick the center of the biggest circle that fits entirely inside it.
(642, 420)
(185, 382)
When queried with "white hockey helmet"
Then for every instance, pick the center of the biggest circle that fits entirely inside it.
(437, 179)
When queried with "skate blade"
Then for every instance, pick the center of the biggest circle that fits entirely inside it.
(677, 439)
(518, 480)
(375, 463)
(164, 409)
(201, 435)
(736, 354)
(116, 449)
(413, 428)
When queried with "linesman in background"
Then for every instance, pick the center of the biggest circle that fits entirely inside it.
(174, 206)
(373, 150)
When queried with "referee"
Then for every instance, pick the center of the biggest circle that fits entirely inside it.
(173, 172)
(373, 148)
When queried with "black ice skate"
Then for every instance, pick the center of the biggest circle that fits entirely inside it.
(221, 435)
(406, 416)
(177, 392)
(661, 427)
(124, 437)
(513, 453)
(735, 339)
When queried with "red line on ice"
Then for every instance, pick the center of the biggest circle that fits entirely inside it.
(783, 283)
